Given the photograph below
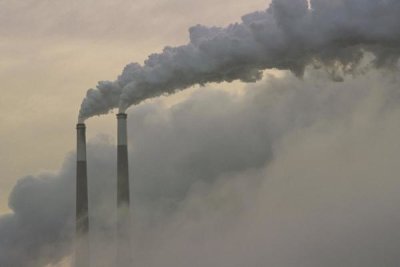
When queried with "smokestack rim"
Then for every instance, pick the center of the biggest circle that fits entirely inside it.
(80, 126)
(122, 116)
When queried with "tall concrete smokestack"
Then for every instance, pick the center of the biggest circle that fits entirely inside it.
(123, 197)
(82, 203)
(123, 169)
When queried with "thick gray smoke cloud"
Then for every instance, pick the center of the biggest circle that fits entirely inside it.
(289, 173)
(288, 36)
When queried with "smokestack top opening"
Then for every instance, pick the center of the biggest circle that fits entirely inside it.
(80, 126)
(122, 116)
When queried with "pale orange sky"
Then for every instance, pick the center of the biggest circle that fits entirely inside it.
(53, 51)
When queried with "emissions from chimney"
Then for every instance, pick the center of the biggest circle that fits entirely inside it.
(123, 198)
(82, 205)
(289, 35)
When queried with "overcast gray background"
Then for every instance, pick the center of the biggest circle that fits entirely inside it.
(53, 51)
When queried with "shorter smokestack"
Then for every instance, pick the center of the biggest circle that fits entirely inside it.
(82, 203)
(123, 197)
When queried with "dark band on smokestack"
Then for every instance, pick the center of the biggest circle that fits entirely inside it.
(82, 202)
(123, 197)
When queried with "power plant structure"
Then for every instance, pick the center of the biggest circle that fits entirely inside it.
(123, 196)
(82, 201)
(82, 254)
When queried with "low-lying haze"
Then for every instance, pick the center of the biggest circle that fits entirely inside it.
(284, 173)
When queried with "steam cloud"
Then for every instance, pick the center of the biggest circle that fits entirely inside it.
(289, 173)
(289, 35)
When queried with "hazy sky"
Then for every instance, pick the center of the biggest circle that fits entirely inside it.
(53, 51)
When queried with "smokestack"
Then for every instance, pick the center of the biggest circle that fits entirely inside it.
(123, 198)
(82, 204)
(123, 169)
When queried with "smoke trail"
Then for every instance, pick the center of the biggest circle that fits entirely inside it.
(289, 35)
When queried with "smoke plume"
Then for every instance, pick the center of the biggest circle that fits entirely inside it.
(287, 173)
(289, 35)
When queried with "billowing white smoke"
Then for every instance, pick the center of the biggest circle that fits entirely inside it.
(285, 173)
(289, 35)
